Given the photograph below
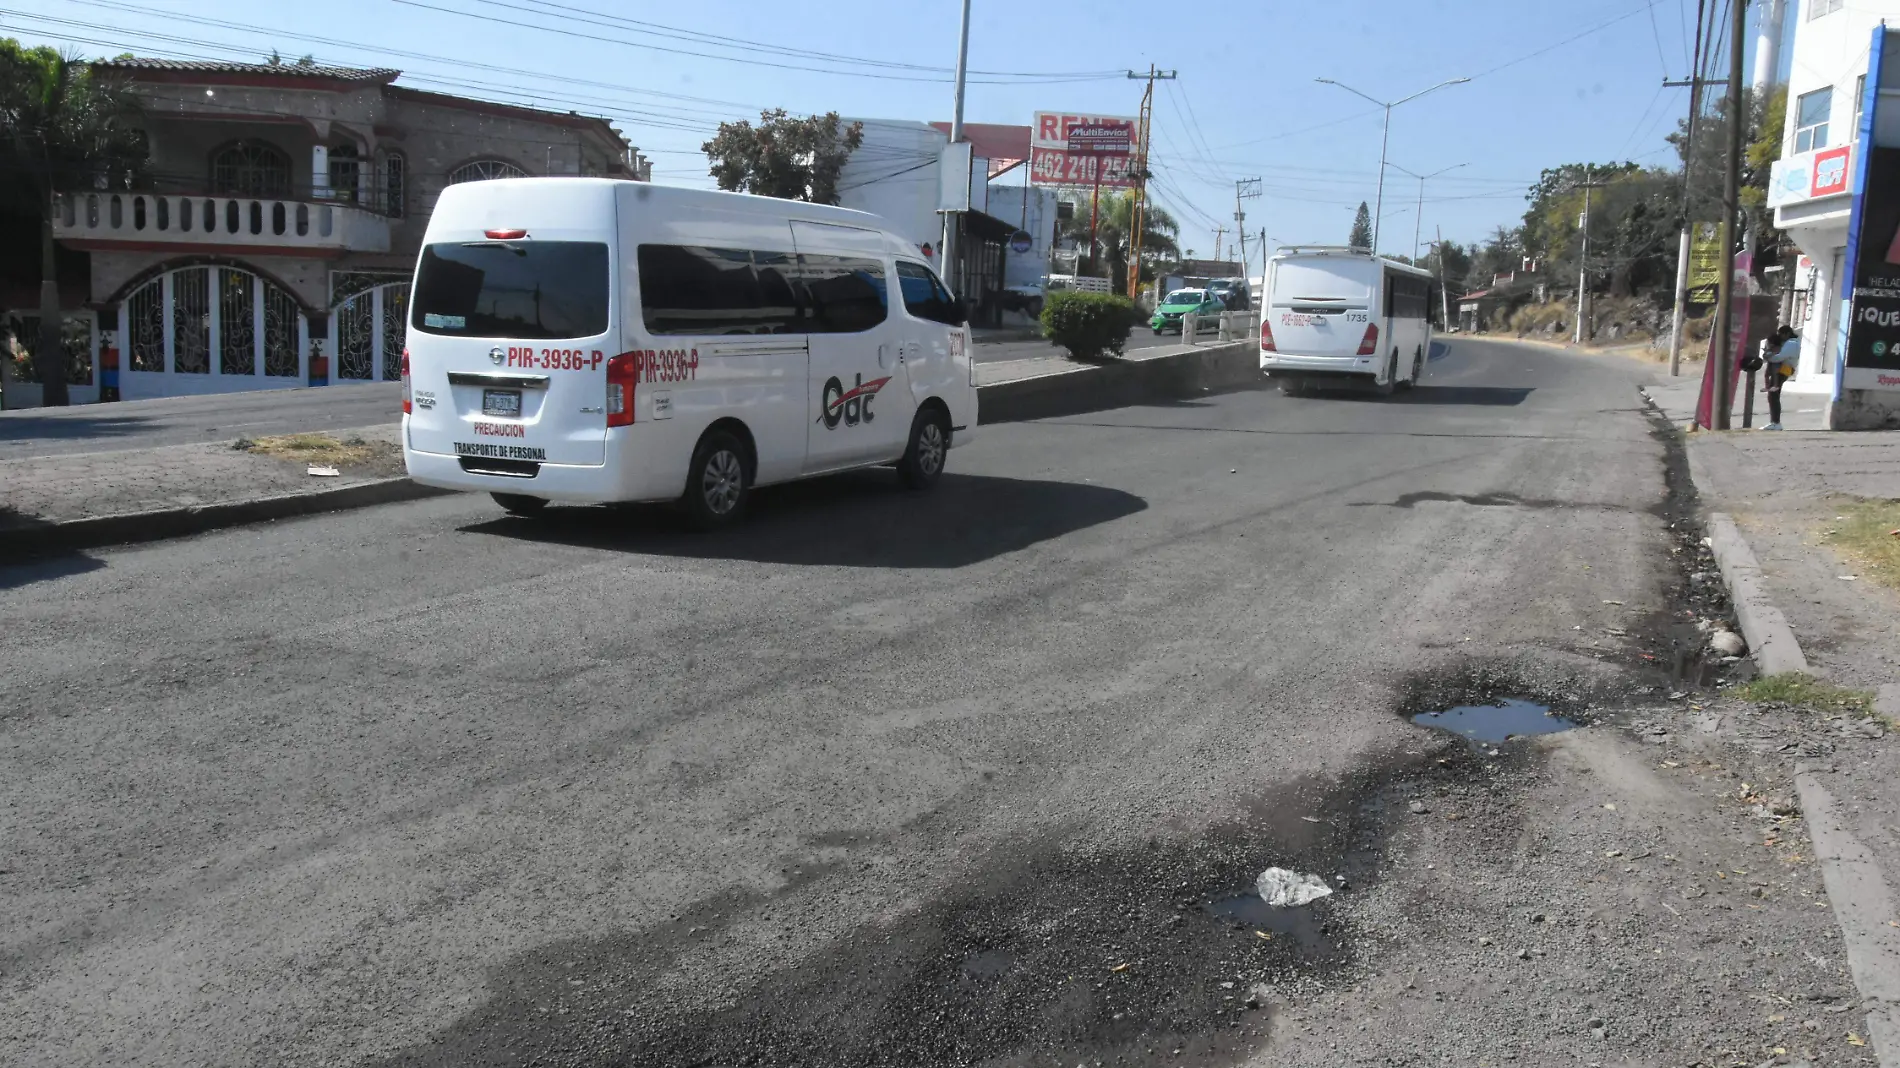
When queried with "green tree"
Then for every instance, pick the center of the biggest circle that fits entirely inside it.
(1503, 251)
(784, 157)
(1362, 228)
(1112, 229)
(63, 127)
(1633, 224)
(1450, 261)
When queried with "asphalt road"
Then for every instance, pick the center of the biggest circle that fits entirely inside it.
(31, 432)
(875, 778)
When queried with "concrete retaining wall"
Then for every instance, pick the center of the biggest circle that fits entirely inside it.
(1119, 383)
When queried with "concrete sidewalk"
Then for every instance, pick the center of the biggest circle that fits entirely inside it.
(1783, 490)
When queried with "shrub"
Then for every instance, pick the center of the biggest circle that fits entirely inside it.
(1089, 325)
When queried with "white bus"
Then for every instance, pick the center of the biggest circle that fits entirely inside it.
(1344, 315)
(586, 340)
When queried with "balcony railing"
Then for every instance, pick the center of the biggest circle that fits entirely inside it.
(178, 219)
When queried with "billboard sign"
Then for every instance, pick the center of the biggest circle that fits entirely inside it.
(1102, 150)
(1705, 264)
(1873, 330)
(1810, 176)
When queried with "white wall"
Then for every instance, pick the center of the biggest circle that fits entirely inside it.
(1831, 51)
(1008, 203)
(894, 174)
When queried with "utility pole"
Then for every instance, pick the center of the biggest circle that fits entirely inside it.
(1244, 189)
(1583, 258)
(1219, 232)
(1444, 297)
(1684, 247)
(1721, 360)
(1139, 214)
(952, 222)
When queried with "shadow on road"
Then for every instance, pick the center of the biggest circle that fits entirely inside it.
(860, 519)
(25, 558)
(31, 424)
(1448, 396)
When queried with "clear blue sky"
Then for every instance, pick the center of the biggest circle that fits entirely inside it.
(1552, 82)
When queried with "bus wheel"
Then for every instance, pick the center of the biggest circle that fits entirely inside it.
(1385, 388)
(716, 489)
(1293, 387)
(1418, 371)
(520, 503)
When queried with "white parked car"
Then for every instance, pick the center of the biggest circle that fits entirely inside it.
(590, 340)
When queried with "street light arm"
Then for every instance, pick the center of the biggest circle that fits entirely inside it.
(1435, 174)
(1433, 89)
(1355, 92)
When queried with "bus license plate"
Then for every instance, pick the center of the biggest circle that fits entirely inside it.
(501, 402)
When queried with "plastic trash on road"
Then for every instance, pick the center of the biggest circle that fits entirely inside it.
(322, 471)
(1285, 889)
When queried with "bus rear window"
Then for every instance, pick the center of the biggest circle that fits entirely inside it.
(1322, 279)
(532, 290)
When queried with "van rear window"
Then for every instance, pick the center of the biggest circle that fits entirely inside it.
(533, 290)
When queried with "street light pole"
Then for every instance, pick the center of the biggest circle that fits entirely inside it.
(1385, 139)
(1418, 223)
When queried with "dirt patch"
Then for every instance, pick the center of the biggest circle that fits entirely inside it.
(350, 453)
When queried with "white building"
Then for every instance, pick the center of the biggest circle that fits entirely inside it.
(1810, 189)
(898, 173)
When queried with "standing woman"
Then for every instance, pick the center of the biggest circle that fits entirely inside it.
(1784, 352)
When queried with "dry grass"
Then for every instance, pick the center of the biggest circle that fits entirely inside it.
(1864, 534)
(313, 449)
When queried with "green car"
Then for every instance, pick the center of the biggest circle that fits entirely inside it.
(1186, 302)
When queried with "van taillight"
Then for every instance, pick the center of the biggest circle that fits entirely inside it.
(1266, 335)
(622, 373)
(1370, 345)
(407, 407)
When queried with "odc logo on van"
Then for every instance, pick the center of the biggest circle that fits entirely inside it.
(849, 406)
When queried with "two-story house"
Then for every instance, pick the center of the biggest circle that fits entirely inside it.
(273, 241)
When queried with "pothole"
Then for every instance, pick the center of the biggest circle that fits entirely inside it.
(1494, 724)
(1302, 927)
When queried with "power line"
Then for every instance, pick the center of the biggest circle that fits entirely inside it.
(1656, 33)
(1599, 27)
(721, 40)
(749, 61)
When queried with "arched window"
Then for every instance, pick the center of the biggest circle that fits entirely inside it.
(251, 168)
(395, 177)
(482, 170)
(346, 165)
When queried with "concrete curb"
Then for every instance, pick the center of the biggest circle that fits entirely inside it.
(1769, 636)
(1862, 907)
(1118, 383)
(159, 523)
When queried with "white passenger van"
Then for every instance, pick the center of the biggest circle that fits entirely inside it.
(589, 340)
(1344, 315)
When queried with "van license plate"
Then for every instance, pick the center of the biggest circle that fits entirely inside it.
(501, 402)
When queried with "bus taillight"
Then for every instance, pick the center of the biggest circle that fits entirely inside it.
(1369, 346)
(1266, 336)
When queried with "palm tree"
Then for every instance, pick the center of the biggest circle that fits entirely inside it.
(62, 128)
(1112, 230)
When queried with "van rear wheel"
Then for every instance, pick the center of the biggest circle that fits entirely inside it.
(716, 483)
(929, 448)
(520, 504)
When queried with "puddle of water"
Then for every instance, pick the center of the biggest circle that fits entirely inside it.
(1299, 926)
(988, 964)
(1492, 724)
